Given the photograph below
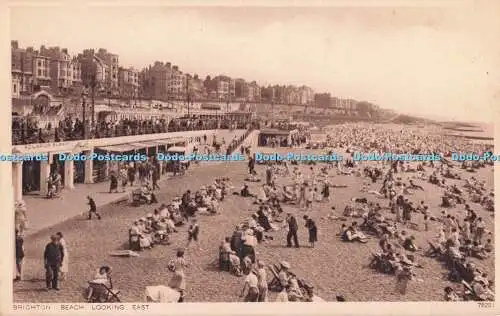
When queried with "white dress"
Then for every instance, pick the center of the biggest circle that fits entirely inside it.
(65, 263)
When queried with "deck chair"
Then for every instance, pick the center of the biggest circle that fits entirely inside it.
(433, 251)
(375, 261)
(469, 293)
(101, 293)
(274, 284)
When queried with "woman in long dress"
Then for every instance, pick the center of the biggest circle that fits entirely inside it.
(65, 263)
(178, 280)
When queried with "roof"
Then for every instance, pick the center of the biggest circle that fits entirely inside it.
(169, 141)
(177, 149)
(118, 148)
(210, 106)
(274, 131)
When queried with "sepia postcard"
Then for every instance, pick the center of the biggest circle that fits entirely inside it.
(315, 158)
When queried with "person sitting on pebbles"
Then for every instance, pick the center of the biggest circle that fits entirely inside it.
(352, 234)
(235, 263)
(103, 276)
(294, 292)
(450, 295)
(283, 275)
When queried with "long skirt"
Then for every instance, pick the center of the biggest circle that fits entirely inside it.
(65, 263)
(145, 241)
(178, 281)
(252, 295)
(248, 251)
(313, 235)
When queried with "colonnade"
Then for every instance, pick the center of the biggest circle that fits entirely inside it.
(45, 166)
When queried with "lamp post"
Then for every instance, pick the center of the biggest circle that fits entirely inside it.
(92, 86)
(84, 95)
(187, 95)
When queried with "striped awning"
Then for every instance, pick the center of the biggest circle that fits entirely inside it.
(144, 144)
(119, 148)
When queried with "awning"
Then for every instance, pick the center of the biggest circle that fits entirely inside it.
(142, 145)
(276, 132)
(118, 148)
(170, 141)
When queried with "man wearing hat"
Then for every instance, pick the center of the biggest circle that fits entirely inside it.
(193, 232)
(19, 255)
(93, 208)
(53, 257)
(283, 274)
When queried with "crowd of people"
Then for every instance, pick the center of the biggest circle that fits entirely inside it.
(386, 210)
(26, 130)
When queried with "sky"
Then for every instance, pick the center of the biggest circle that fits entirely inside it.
(439, 62)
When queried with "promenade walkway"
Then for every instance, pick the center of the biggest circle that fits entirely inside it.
(43, 213)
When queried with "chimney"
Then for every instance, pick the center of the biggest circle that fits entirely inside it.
(169, 64)
(175, 68)
(65, 51)
(14, 44)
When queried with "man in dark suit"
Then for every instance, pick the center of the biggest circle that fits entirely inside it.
(53, 257)
(293, 227)
(93, 208)
(19, 256)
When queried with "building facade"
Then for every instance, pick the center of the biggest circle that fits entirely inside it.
(41, 68)
(197, 90)
(306, 95)
(155, 80)
(65, 71)
(93, 70)
(177, 84)
(128, 82)
(253, 94)
(225, 88)
(111, 70)
(21, 70)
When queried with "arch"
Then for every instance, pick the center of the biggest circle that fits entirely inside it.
(42, 93)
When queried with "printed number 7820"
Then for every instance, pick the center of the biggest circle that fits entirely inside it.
(486, 304)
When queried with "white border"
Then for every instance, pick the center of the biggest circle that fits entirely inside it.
(346, 308)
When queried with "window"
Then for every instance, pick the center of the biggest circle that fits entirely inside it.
(39, 63)
(15, 88)
(39, 72)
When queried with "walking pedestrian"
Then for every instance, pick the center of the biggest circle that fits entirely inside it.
(313, 230)
(292, 231)
(124, 178)
(131, 174)
(19, 256)
(193, 232)
(93, 208)
(251, 165)
(155, 177)
(113, 184)
(53, 257)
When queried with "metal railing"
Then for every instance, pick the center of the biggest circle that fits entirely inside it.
(23, 136)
